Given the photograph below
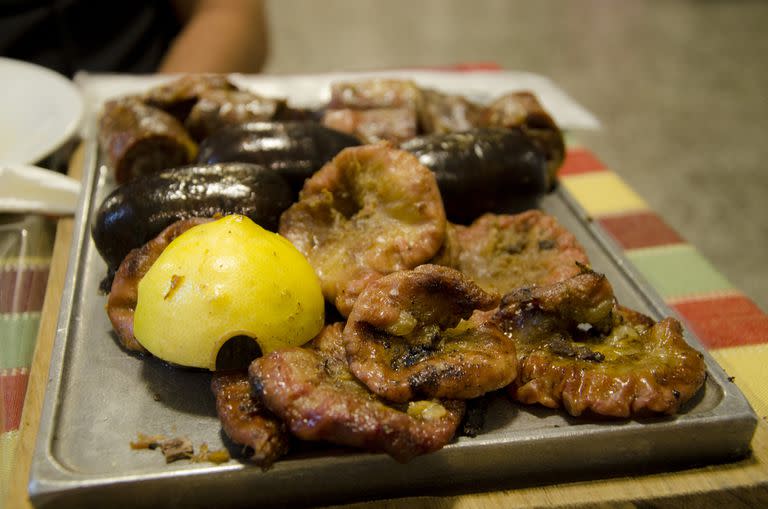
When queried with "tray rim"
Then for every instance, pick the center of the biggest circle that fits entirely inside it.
(50, 479)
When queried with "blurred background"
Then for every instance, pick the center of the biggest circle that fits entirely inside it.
(681, 89)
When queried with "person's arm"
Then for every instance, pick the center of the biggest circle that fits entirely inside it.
(219, 36)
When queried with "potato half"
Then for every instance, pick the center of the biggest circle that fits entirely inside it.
(223, 279)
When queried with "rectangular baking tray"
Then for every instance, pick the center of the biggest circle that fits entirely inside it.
(99, 397)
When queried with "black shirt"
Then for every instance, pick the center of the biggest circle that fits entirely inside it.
(129, 36)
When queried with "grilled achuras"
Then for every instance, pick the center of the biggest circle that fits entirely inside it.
(137, 211)
(483, 170)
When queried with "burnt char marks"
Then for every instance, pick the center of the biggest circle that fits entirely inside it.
(405, 338)
(313, 392)
(426, 382)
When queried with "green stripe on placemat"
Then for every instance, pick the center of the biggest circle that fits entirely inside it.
(18, 333)
(571, 141)
(678, 271)
(24, 262)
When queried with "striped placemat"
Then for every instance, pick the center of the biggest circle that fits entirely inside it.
(728, 323)
(25, 254)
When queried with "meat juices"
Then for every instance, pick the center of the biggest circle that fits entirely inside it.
(124, 294)
(579, 350)
(503, 252)
(246, 421)
(401, 342)
(313, 392)
(371, 211)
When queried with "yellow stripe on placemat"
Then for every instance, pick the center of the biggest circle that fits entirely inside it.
(748, 365)
(603, 193)
(8, 442)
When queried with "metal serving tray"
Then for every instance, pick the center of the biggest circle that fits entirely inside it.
(99, 397)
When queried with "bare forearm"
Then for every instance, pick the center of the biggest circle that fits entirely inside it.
(219, 36)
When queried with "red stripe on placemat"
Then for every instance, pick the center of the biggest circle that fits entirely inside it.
(22, 290)
(13, 387)
(639, 229)
(725, 321)
(579, 160)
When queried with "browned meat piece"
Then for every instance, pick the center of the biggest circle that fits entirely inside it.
(402, 339)
(370, 126)
(375, 109)
(138, 139)
(372, 210)
(375, 93)
(579, 350)
(121, 303)
(179, 95)
(523, 110)
(175, 449)
(445, 113)
(504, 252)
(483, 170)
(314, 393)
(293, 150)
(330, 342)
(246, 421)
(138, 210)
(218, 108)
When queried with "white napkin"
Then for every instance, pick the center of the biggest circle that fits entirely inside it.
(26, 188)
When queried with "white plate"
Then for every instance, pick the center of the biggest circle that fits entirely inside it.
(39, 110)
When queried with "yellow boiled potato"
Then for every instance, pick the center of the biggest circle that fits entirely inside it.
(223, 279)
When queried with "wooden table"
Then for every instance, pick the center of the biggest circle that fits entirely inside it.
(740, 484)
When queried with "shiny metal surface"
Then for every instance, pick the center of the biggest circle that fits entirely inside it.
(99, 398)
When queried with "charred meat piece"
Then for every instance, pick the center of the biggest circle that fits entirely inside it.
(121, 303)
(522, 110)
(483, 170)
(371, 211)
(314, 393)
(178, 96)
(375, 110)
(504, 252)
(329, 342)
(288, 113)
(295, 150)
(217, 108)
(138, 210)
(374, 93)
(445, 113)
(402, 339)
(579, 350)
(246, 421)
(370, 126)
(138, 139)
